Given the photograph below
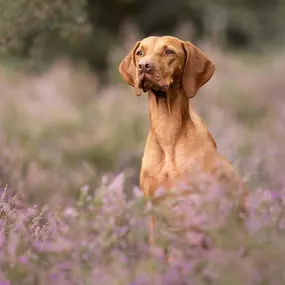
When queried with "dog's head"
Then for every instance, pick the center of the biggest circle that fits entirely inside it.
(158, 63)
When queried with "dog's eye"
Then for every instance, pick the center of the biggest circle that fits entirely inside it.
(168, 51)
(139, 53)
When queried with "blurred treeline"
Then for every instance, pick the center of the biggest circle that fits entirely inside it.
(43, 30)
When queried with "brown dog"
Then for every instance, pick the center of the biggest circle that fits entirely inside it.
(172, 71)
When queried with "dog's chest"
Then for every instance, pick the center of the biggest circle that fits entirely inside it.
(166, 135)
(163, 164)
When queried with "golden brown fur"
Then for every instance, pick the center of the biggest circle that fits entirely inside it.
(171, 71)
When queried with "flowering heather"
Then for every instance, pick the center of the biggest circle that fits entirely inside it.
(102, 239)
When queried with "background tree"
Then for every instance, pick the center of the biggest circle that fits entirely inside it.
(42, 30)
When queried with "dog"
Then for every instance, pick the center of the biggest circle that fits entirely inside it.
(172, 71)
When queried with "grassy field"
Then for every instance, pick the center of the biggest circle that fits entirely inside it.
(74, 150)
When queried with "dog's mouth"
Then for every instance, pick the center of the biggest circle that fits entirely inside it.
(159, 93)
(146, 83)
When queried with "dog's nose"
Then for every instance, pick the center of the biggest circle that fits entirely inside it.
(145, 66)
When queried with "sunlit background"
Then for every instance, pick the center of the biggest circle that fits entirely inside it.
(67, 119)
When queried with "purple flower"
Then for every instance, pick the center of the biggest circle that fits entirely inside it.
(53, 277)
(142, 280)
(65, 265)
(23, 259)
(2, 239)
(275, 194)
(37, 245)
(171, 276)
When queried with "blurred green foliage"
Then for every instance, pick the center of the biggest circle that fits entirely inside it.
(41, 30)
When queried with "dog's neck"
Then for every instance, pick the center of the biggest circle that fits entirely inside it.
(169, 106)
(169, 115)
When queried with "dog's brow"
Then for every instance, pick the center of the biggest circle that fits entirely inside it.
(151, 45)
(169, 47)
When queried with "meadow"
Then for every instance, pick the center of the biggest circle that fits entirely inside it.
(71, 211)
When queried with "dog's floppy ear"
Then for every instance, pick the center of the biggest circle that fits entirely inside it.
(127, 69)
(198, 69)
